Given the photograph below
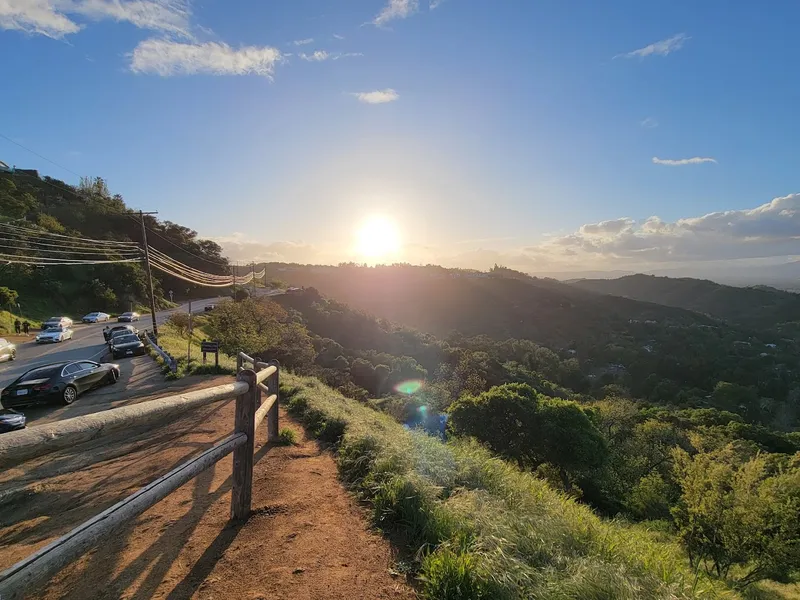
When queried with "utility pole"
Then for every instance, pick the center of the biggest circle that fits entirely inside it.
(254, 279)
(233, 268)
(149, 274)
(189, 344)
(265, 275)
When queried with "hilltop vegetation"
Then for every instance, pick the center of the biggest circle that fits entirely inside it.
(90, 210)
(753, 307)
(650, 459)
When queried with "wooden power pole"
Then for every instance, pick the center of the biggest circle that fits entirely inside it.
(149, 273)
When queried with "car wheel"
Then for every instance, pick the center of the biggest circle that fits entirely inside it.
(13, 356)
(69, 395)
(113, 376)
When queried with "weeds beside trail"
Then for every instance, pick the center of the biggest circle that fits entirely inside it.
(480, 528)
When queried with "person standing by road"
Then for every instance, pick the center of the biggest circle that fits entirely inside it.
(17, 326)
(26, 327)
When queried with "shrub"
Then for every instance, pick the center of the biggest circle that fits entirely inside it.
(287, 437)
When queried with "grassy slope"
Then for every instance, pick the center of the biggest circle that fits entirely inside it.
(486, 530)
(172, 341)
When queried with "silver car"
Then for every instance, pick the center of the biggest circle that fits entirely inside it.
(8, 351)
(54, 335)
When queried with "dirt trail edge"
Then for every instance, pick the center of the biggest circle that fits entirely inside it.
(306, 540)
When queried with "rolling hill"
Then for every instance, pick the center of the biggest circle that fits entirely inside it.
(753, 307)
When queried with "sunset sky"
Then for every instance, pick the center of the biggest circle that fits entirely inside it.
(547, 136)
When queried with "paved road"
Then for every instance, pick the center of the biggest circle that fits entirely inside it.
(88, 344)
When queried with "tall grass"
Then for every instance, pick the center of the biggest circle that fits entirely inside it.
(480, 528)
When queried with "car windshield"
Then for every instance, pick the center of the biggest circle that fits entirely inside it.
(54, 329)
(41, 373)
(126, 339)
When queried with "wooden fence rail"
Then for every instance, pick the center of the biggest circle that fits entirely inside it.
(16, 447)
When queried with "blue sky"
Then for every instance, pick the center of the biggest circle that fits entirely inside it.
(522, 132)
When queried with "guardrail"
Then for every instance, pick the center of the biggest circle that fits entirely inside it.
(18, 446)
(150, 340)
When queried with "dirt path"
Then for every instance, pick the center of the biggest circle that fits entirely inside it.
(306, 540)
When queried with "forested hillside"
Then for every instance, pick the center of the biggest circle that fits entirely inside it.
(756, 307)
(88, 210)
(654, 455)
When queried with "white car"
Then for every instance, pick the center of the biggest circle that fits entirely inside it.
(96, 317)
(54, 334)
(57, 322)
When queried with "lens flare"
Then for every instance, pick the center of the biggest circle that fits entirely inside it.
(408, 387)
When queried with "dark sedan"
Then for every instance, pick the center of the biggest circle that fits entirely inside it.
(109, 332)
(127, 345)
(128, 317)
(63, 381)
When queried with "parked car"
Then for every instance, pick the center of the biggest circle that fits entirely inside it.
(127, 345)
(57, 322)
(53, 335)
(209, 307)
(110, 332)
(62, 381)
(96, 317)
(128, 317)
(11, 420)
(8, 351)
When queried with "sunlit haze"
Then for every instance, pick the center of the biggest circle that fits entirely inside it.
(550, 137)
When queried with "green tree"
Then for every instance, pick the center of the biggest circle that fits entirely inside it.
(531, 429)
(742, 511)
(8, 297)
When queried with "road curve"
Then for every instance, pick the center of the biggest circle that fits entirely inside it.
(86, 344)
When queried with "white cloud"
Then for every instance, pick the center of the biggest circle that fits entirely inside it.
(36, 16)
(662, 48)
(649, 123)
(436, 4)
(696, 160)
(55, 18)
(240, 247)
(322, 55)
(377, 97)
(165, 58)
(316, 56)
(336, 36)
(166, 16)
(303, 42)
(396, 9)
(347, 55)
(769, 230)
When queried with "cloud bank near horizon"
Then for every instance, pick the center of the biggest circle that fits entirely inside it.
(771, 230)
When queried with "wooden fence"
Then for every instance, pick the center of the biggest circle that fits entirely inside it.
(253, 379)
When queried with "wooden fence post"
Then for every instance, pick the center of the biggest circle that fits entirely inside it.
(238, 362)
(272, 415)
(241, 495)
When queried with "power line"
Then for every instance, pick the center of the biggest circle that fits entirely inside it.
(181, 266)
(182, 249)
(44, 261)
(185, 278)
(84, 252)
(35, 245)
(39, 155)
(45, 234)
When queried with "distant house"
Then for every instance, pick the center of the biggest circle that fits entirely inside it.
(771, 345)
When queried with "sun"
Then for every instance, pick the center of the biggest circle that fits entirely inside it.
(377, 238)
